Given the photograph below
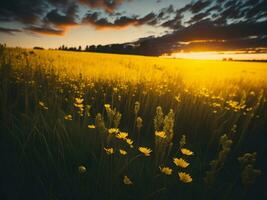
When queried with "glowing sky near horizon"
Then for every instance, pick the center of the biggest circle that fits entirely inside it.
(191, 28)
(219, 55)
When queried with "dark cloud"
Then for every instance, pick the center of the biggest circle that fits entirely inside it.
(221, 12)
(176, 22)
(256, 10)
(25, 11)
(60, 2)
(9, 30)
(202, 36)
(199, 5)
(206, 30)
(40, 15)
(150, 19)
(37, 15)
(198, 17)
(214, 8)
(166, 12)
(121, 22)
(116, 14)
(107, 5)
(238, 10)
(66, 19)
(232, 11)
(99, 22)
(234, 36)
(95, 20)
(45, 30)
(229, 45)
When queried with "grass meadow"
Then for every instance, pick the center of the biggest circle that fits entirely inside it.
(100, 126)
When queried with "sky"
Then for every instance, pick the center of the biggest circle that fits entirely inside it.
(153, 27)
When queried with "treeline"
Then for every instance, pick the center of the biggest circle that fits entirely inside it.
(66, 48)
(143, 48)
(112, 48)
(146, 48)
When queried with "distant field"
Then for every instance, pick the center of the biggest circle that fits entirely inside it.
(101, 126)
(98, 65)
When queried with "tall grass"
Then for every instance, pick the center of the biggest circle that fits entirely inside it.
(72, 125)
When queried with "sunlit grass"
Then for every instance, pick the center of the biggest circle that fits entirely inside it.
(101, 126)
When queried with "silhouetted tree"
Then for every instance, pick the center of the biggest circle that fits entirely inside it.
(39, 48)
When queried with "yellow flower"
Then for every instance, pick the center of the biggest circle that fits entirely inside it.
(184, 177)
(115, 89)
(130, 142)
(113, 130)
(78, 106)
(145, 151)
(180, 162)
(160, 134)
(252, 93)
(187, 152)
(91, 126)
(166, 170)
(123, 152)
(109, 151)
(122, 135)
(82, 169)
(42, 104)
(78, 100)
(178, 98)
(107, 106)
(68, 117)
(127, 181)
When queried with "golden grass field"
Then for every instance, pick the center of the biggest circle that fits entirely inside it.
(101, 126)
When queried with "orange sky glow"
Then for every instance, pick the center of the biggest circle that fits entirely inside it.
(213, 55)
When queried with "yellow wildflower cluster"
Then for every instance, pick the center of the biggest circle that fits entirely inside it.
(113, 130)
(109, 151)
(187, 152)
(184, 177)
(91, 126)
(79, 105)
(68, 117)
(160, 134)
(146, 151)
(180, 162)
(123, 136)
(166, 170)
(235, 105)
(123, 152)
